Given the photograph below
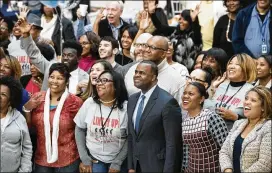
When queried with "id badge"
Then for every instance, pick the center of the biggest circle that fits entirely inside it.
(264, 49)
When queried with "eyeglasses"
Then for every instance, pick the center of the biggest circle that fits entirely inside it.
(139, 44)
(2, 28)
(84, 43)
(194, 79)
(103, 81)
(146, 46)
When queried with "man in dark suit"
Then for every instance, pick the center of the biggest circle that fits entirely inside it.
(154, 125)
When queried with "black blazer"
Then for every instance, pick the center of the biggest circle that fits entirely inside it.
(104, 29)
(158, 146)
(25, 79)
(67, 33)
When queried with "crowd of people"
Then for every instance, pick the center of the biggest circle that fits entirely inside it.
(117, 96)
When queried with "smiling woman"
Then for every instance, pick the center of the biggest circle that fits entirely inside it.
(264, 71)
(248, 146)
(101, 125)
(229, 96)
(128, 34)
(16, 147)
(90, 43)
(85, 89)
(58, 103)
(203, 132)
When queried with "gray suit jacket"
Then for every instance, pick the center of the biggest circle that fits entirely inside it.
(157, 146)
(41, 63)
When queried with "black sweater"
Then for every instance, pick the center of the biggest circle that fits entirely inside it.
(219, 35)
(165, 30)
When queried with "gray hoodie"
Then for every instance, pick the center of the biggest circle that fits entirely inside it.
(16, 146)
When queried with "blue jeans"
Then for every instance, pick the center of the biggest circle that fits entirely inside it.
(102, 167)
(73, 167)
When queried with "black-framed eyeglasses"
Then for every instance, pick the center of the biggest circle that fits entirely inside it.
(193, 79)
(103, 81)
(84, 43)
(146, 46)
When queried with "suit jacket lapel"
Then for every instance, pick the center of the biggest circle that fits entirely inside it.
(131, 111)
(151, 102)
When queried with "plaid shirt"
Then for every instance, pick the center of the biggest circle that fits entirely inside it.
(203, 137)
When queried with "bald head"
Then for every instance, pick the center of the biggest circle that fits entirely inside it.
(156, 49)
(160, 42)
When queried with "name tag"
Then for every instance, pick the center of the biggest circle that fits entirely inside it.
(264, 49)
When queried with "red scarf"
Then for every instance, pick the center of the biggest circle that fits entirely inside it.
(86, 62)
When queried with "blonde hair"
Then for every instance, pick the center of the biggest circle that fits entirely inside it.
(88, 92)
(248, 66)
(265, 96)
(15, 66)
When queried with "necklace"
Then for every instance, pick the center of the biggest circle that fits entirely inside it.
(227, 32)
(106, 101)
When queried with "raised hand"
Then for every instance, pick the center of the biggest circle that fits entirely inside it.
(79, 14)
(195, 12)
(144, 23)
(219, 80)
(23, 25)
(23, 11)
(100, 15)
(152, 7)
(82, 85)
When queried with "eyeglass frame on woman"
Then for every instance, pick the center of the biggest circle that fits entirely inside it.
(194, 79)
(3, 28)
(103, 81)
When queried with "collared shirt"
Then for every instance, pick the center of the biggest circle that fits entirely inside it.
(147, 96)
(115, 30)
(73, 81)
(256, 31)
(113, 64)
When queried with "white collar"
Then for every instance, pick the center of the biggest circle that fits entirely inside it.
(113, 64)
(268, 85)
(149, 92)
(75, 71)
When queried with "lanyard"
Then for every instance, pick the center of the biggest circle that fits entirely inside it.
(103, 124)
(262, 26)
(224, 105)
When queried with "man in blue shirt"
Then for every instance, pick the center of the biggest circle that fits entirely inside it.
(252, 28)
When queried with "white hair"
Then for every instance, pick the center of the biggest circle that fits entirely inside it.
(120, 4)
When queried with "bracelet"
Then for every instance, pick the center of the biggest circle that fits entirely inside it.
(26, 110)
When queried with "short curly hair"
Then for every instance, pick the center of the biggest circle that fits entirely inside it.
(62, 69)
(15, 89)
(241, 3)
